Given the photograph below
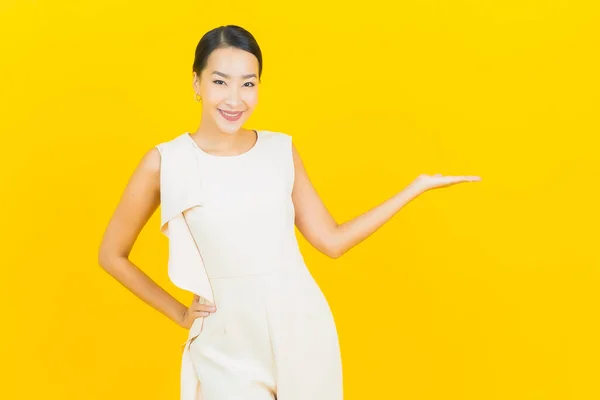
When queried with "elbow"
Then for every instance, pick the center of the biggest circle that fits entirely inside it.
(334, 247)
(333, 251)
(334, 255)
(106, 258)
(103, 259)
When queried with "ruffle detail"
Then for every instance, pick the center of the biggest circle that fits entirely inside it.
(181, 190)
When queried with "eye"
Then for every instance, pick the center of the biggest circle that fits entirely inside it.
(249, 83)
(218, 80)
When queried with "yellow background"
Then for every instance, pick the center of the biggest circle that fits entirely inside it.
(480, 291)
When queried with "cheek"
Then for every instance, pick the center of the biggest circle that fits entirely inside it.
(251, 98)
(214, 95)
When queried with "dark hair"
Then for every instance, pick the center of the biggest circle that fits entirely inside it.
(223, 37)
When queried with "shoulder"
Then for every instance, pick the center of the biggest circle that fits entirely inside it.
(274, 135)
(150, 161)
(278, 140)
(148, 169)
(285, 142)
(161, 155)
(166, 147)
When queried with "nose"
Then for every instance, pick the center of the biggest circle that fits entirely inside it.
(233, 97)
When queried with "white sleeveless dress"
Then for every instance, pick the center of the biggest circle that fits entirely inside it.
(273, 335)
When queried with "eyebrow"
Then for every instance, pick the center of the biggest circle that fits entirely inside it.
(227, 76)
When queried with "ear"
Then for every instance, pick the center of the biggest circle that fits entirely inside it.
(196, 82)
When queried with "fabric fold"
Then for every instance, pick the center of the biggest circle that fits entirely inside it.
(181, 190)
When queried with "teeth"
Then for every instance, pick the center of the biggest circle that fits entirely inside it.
(229, 114)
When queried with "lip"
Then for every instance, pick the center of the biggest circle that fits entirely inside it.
(230, 111)
(238, 115)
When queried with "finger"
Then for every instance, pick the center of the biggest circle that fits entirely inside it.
(200, 313)
(451, 180)
(469, 178)
(460, 178)
(205, 307)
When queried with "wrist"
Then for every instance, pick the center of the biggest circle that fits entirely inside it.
(180, 317)
(414, 189)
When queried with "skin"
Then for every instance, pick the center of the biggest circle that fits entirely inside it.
(237, 91)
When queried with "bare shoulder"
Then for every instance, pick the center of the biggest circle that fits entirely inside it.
(297, 159)
(151, 160)
(139, 200)
(150, 164)
(146, 175)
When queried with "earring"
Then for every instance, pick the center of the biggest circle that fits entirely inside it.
(197, 97)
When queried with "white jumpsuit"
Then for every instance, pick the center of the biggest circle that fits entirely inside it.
(273, 335)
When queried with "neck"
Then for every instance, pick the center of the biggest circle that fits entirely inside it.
(212, 137)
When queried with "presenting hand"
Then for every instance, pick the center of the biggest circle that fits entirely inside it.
(195, 310)
(426, 182)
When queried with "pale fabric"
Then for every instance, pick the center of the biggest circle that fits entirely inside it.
(230, 223)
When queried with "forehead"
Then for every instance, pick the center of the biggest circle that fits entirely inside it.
(232, 61)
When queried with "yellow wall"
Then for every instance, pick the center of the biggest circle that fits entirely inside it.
(479, 291)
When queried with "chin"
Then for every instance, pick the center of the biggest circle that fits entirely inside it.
(229, 128)
(226, 127)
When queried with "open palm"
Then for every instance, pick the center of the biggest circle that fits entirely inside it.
(427, 182)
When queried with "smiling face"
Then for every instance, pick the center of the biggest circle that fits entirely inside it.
(229, 88)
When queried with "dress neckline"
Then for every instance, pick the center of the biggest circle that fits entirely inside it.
(256, 143)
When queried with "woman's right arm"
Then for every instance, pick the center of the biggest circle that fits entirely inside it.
(138, 202)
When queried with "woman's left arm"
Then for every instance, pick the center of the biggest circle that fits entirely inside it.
(321, 230)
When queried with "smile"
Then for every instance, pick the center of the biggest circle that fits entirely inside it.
(229, 116)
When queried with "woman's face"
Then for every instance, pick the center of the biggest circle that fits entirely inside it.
(229, 88)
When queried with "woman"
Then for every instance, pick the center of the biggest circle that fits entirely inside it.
(259, 325)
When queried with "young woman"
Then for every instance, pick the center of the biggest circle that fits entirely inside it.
(259, 325)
